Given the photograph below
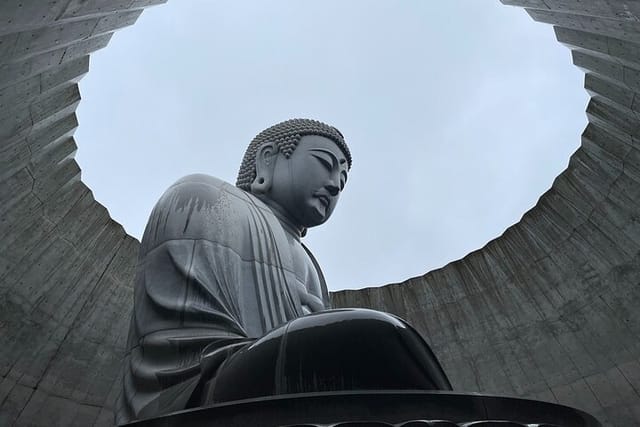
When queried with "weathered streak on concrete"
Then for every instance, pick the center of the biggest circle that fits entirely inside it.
(548, 310)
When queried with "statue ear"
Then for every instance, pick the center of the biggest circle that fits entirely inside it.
(265, 165)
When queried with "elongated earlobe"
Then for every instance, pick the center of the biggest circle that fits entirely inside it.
(260, 185)
(265, 164)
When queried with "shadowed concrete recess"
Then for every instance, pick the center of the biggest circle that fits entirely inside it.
(548, 310)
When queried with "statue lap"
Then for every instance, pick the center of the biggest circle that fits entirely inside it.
(335, 350)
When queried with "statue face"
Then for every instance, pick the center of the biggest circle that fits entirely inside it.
(307, 185)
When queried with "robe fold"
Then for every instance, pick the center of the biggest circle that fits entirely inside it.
(215, 272)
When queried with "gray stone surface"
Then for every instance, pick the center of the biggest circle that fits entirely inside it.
(65, 266)
(548, 310)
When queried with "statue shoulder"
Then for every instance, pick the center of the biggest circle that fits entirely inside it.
(201, 189)
(196, 206)
(197, 181)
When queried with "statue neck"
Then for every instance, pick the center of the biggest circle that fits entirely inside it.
(297, 231)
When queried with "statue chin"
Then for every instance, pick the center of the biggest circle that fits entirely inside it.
(315, 215)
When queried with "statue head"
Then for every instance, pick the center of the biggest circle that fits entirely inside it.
(298, 167)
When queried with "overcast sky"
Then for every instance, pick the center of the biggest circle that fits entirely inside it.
(459, 115)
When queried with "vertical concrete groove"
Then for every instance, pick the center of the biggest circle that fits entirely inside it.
(19, 414)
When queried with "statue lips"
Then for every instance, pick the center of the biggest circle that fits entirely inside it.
(324, 198)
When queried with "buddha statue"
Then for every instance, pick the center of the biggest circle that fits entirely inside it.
(229, 304)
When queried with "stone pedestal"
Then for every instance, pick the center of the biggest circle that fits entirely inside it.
(379, 409)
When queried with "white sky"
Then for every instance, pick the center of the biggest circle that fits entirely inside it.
(459, 115)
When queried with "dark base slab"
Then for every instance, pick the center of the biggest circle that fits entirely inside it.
(373, 408)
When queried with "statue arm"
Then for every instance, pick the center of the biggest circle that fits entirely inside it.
(326, 299)
(187, 315)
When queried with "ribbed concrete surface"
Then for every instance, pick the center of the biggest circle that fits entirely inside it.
(65, 265)
(548, 310)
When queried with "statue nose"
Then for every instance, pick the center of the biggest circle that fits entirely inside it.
(332, 188)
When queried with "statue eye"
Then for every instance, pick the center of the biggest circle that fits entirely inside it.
(325, 162)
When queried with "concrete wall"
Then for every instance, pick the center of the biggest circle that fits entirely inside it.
(548, 310)
(65, 265)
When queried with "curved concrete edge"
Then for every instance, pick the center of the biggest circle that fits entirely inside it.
(546, 311)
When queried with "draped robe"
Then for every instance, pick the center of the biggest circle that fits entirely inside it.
(216, 271)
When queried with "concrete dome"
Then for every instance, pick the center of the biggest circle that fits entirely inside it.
(548, 310)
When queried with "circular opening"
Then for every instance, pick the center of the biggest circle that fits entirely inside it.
(459, 116)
